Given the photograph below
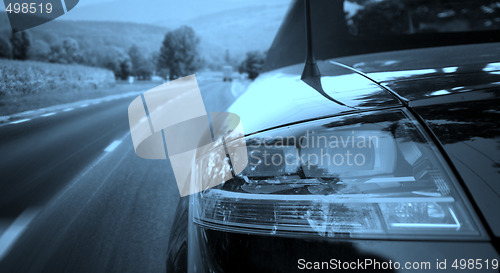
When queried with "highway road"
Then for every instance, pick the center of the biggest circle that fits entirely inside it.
(74, 197)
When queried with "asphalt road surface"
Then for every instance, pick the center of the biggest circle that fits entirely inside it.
(74, 197)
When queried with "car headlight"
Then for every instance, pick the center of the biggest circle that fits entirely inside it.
(370, 175)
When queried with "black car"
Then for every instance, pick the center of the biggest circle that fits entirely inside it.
(382, 156)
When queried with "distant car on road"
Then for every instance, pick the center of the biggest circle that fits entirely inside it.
(227, 71)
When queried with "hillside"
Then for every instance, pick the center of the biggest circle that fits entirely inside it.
(237, 25)
(96, 34)
(238, 30)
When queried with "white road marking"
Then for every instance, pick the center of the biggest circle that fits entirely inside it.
(237, 88)
(113, 146)
(15, 230)
(68, 109)
(5, 120)
(233, 88)
(48, 114)
(88, 169)
(21, 120)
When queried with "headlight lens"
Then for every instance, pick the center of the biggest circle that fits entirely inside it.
(371, 175)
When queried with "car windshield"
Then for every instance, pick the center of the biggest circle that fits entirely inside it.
(381, 17)
(353, 27)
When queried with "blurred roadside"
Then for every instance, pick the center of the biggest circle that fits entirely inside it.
(15, 104)
(22, 107)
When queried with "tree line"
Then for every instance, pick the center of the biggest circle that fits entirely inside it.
(178, 55)
(123, 63)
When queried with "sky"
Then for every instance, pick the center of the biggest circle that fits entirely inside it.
(161, 12)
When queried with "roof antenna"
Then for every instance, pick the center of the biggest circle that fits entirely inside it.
(311, 74)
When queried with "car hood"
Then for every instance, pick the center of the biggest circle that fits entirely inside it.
(280, 97)
(422, 76)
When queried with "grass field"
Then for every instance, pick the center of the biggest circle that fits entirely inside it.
(26, 85)
(27, 77)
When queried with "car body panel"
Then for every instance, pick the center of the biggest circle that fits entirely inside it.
(456, 91)
(216, 251)
(470, 133)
